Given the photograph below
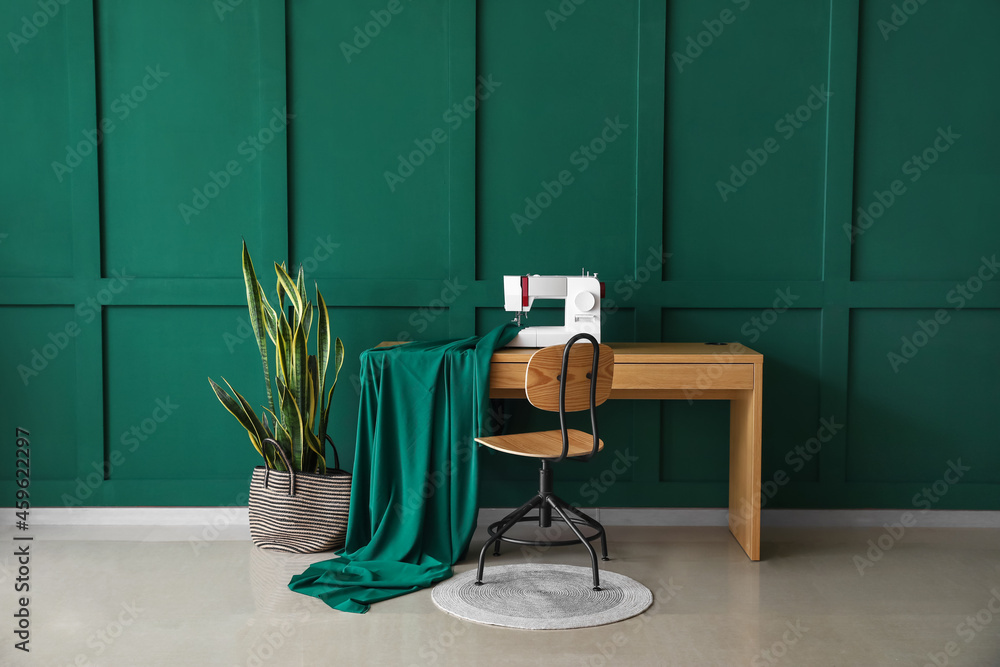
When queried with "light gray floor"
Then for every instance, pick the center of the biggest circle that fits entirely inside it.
(136, 596)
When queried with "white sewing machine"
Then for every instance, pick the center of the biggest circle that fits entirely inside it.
(582, 295)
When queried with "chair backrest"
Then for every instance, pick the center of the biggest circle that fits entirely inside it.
(541, 381)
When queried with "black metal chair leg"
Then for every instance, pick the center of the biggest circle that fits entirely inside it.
(501, 523)
(514, 518)
(576, 531)
(596, 525)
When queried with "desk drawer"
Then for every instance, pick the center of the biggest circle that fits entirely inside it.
(509, 378)
(704, 377)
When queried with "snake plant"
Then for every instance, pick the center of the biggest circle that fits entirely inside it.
(303, 410)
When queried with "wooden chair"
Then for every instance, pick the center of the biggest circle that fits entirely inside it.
(560, 378)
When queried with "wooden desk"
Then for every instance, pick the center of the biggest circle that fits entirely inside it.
(689, 371)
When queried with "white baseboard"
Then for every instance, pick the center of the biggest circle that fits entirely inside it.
(140, 516)
(877, 518)
(642, 516)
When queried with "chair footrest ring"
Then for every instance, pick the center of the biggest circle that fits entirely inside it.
(494, 527)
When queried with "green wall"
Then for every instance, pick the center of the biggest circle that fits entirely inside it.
(708, 158)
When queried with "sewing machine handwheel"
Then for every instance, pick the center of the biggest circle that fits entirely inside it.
(585, 301)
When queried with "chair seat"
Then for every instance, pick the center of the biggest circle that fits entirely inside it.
(542, 444)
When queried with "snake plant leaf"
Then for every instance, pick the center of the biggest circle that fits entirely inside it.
(297, 380)
(270, 322)
(255, 301)
(338, 361)
(235, 408)
(269, 456)
(312, 392)
(307, 319)
(261, 432)
(303, 391)
(300, 284)
(293, 423)
(272, 459)
(280, 433)
(281, 437)
(322, 357)
(285, 281)
(324, 415)
(317, 462)
(284, 441)
(281, 383)
(283, 350)
(283, 410)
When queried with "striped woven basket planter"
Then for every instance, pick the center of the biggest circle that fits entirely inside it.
(299, 512)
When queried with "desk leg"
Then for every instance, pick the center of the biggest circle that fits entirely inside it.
(744, 468)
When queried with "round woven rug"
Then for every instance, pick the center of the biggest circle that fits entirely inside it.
(541, 597)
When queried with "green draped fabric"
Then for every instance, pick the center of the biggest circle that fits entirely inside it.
(414, 497)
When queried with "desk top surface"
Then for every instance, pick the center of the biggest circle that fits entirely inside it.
(649, 353)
